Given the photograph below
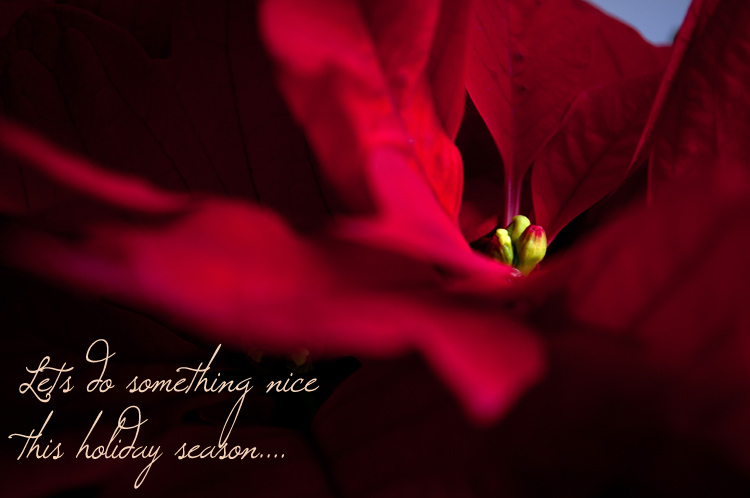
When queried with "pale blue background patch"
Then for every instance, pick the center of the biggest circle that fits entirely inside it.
(656, 20)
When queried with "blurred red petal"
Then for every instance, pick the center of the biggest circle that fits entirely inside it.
(88, 180)
(391, 430)
(594, 427)
(656, 283)
(363, 78)
(239, 274)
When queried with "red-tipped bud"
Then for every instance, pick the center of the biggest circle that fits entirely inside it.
(531, 248)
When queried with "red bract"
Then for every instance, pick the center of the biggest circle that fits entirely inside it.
(254, 283)
(701, 118)
(367, 84)
(684, 321)
(589, 156)
(644, 324)
(531, 64)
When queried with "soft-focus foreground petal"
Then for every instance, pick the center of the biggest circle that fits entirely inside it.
(73, 173)
(593, 428)
(603, 440)
(701, 120)
(659, 284)
(366, 80)
(529, 62)
(238, 274)
(184, 99)
(369, 107)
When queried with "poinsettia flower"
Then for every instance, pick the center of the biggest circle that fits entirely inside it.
(565, 91)
(381, 119)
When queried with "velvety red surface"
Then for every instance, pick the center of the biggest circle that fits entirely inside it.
(284, 175)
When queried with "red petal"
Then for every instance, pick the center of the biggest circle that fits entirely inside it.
(662, 285)
(390, 430)
(530, 60)
(238, 274)
(446, 68)
(701, 118)
(594, 427)
(76, 173)
(589, 156)
(366, 78)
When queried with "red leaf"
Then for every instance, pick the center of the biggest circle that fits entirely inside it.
(390, 430)
(530, 60)
(594, 427)
(695, 21)
(589, 156)
(446, 68)
(239, 276)
(701, 120)
(363, 79)
(75, 173)
(662, 284)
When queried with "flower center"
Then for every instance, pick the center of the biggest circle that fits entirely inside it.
(521, 245)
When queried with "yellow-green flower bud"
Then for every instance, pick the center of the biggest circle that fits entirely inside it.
(531, 248)
(501, 248)
(517, 225)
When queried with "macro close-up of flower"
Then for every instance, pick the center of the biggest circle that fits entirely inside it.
(504, 238)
